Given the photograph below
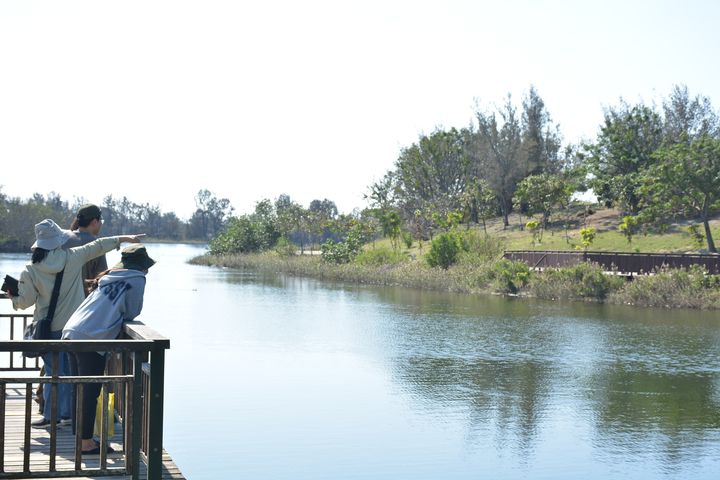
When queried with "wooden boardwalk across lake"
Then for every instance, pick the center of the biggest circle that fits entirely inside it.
(65, 460)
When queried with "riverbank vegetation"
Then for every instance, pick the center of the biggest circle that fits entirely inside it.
(585, 282)
(457, 198)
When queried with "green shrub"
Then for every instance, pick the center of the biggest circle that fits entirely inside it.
(337, 252)
(380, 256)
(629, 227)
(285, 248)
(445, 249)
(242, 235)
(342, 252)
(510, 275)
(672, 287)
(407, 239)
(588, 237)
(533, 226)
(697, 236)
(584, 280)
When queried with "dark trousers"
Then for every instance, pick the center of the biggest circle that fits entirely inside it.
(87, 364)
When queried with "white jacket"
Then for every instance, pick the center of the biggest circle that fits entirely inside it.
(37, 280)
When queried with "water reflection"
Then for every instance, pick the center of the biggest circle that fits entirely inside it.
(655, 389)
(646, 380)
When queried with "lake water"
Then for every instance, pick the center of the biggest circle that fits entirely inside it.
(288, 378)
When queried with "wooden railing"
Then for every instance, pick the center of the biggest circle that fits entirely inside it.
(135, 373)
(620, 262)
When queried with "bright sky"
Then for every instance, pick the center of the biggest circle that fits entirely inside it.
(156, 100)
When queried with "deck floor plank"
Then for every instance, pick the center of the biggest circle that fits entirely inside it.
(65, 445)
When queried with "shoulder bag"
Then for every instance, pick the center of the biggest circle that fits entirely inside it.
(40, 330)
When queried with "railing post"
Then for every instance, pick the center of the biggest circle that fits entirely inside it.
(136, 421)
(155, 415)
(2, 427)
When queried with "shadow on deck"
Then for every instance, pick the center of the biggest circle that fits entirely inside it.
(39, 457)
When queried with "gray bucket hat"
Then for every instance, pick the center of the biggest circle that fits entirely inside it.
(49, 235)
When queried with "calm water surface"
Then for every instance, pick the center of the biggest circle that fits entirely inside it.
(287, 378)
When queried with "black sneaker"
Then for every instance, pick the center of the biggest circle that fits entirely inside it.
(42, 422)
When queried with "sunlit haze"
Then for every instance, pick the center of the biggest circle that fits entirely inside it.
(157, 100)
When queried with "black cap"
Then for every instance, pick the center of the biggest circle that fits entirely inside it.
(135, 257)
(89, 212)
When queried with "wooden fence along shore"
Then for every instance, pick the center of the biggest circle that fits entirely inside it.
(135, 375)
(621, 263)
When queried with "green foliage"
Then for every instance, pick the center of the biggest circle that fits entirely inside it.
(678, 288)
(686, 182)
(589, 281)
(380, 256)
(431, 172)
(543, 193)
(479, 202)
(285, 248)
(629, 227)
(509, 276)
(345, 251)
(445, 249)
(582, 281)
(697, 236)
(290, 219)
(337, 252)
(448, 221)
(266, 219)
(533, 226)
(248, 233)
(242, 235)
(623, 151)
(587, 237)
(481, 249)
(407, 239)
(391, 224)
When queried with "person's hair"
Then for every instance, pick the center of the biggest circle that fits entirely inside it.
(75, 224)
(83, 222)
(39, 254)
(92, 283)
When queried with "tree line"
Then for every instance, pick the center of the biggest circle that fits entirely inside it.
(120, 215)
(656, 163)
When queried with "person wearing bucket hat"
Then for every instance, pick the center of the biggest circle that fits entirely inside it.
(84, 229)
(116, 297)
(36, 284)
(49, 236)
(135, 257)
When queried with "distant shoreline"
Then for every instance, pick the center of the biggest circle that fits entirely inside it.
(149, 240)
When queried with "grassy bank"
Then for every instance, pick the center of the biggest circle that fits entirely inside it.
(676, 238)
(477, 275)
(480, 269)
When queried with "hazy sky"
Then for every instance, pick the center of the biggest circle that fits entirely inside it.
(158, 99)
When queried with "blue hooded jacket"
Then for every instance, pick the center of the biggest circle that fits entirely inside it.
(118, 299)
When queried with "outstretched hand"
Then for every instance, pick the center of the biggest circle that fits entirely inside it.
(133, 238)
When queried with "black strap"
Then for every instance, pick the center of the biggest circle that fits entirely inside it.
(54, 296)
